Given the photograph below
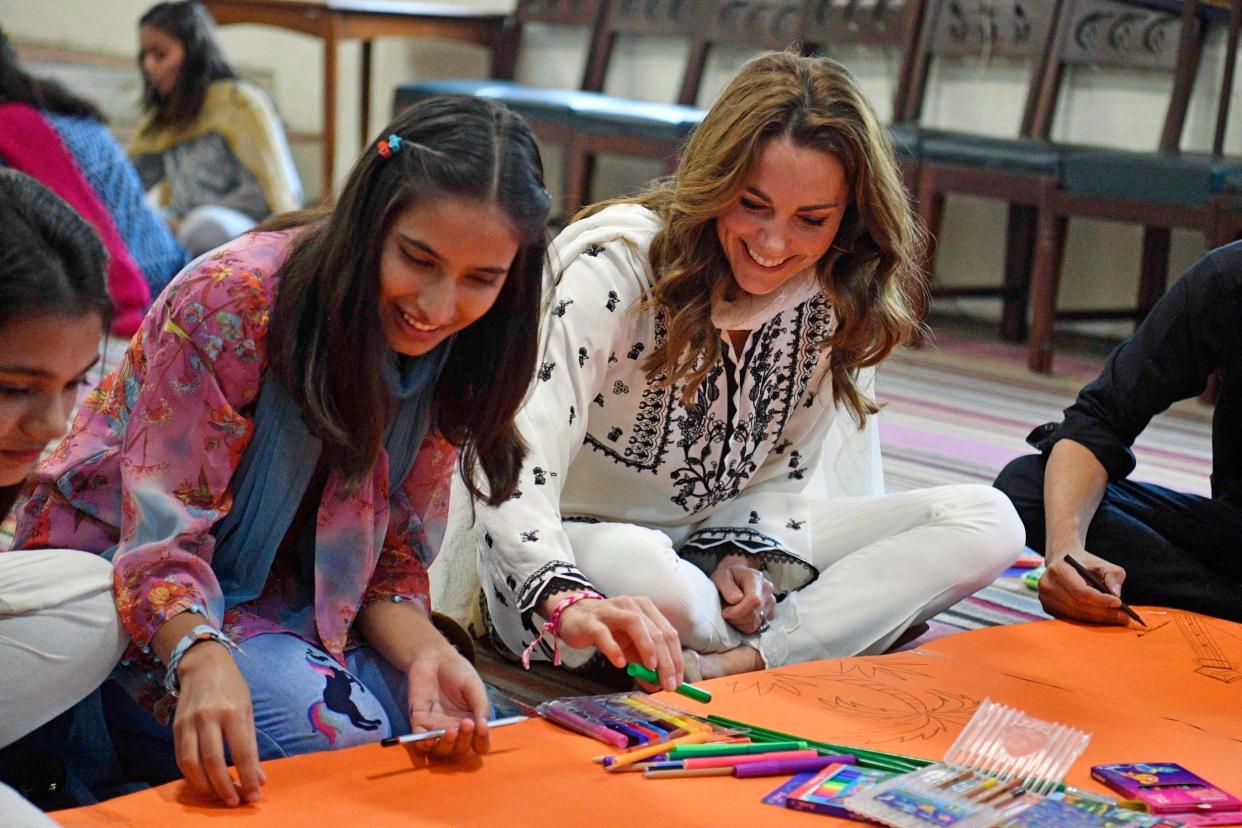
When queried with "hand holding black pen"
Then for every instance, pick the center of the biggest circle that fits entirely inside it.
(1096, 583)
(1065, 592)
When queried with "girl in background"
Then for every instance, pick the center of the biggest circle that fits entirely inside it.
(83, 131)
(212, 143)
(59, 631)
(269, 464)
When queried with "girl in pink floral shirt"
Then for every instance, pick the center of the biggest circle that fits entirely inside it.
(268, 466)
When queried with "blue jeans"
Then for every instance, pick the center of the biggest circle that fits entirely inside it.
(303, 702)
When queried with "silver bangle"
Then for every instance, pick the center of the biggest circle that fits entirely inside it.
(202, 632)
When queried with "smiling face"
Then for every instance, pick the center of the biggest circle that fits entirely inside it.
(785, 218)
(44, 363)
(160, 55)
(443, 264)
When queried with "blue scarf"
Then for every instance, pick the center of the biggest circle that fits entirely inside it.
(277, 466)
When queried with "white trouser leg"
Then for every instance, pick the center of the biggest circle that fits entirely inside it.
(624, 559)
(889, 562)
(59, 634)
(207, 227)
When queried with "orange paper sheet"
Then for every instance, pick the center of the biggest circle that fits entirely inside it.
(1183, 667)
(913, 703)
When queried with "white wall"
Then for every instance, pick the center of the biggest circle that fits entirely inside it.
(1099, 107)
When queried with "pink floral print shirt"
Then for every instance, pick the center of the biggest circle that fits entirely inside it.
(147, 465)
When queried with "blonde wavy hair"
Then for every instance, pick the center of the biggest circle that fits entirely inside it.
(871, 274)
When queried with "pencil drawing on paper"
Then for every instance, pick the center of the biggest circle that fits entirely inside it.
(1209, 659)
(883, 700)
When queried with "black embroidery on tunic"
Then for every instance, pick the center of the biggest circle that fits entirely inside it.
(620, 387)
(552, 577)
(583, 356)
(614, 434)
(717, 453)
(594, 250)
(545, 371)
(612, 357)
(613, 299)
(561, 305)
(530, 537)
(795, 524)
(541, 476)
(487, 538)
(599, 400)
(516, 494)
(636, 349)
(572, 415)
(754, 517)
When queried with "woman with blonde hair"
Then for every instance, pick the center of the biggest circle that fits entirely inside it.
(701, 339)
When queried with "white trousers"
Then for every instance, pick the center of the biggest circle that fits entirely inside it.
(885, 563)
(59, 634)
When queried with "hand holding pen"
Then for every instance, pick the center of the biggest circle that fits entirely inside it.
(1087, 588)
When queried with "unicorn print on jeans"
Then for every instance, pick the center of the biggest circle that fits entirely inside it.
(329, 716)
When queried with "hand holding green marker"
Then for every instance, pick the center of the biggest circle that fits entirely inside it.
(638, 671)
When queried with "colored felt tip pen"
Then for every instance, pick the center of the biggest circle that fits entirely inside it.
(790, 767)
(436, 734)
(739, 749)
(638, 671)
(567, 718)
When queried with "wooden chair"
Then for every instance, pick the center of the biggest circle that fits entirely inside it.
(1158, 190)
(828, 26)
(1014, 170)
(548, 111)
(610, 125)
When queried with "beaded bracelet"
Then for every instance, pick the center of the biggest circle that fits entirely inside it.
(203, 632)
(553, 626)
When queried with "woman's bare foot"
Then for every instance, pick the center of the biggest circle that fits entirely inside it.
(741, 659)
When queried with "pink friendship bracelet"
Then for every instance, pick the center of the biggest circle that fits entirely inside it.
(553, 626)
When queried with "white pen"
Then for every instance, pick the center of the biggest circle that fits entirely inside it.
(435, 734)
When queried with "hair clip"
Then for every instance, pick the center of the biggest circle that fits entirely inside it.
(389, 146)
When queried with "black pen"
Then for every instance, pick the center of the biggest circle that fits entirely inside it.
(1090, 578)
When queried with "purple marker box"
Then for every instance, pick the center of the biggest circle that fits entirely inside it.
(1165, 787)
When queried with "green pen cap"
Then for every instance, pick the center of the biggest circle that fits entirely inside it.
(638, 671)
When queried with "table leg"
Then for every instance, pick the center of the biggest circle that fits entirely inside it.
(364, 97)
(329, 114)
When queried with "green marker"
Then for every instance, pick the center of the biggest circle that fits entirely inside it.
(741, 749)
(638, 671)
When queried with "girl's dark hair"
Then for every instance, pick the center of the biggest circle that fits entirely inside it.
(51, 263)
(326, 322)
(189, 23)
(17, 86)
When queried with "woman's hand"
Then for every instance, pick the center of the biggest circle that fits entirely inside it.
(624, 629)
(213, 710)
(1064, 593)
(747, 593)
(446, 692)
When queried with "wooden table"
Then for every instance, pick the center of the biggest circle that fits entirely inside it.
(337, 20)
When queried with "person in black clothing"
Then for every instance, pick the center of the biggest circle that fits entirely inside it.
(1149, 544)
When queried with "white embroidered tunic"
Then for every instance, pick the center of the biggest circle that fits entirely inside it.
(606, 445)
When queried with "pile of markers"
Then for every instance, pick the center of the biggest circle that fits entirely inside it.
(662, 741)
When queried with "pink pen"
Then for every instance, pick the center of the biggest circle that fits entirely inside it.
(586, 727)
(691, 763)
